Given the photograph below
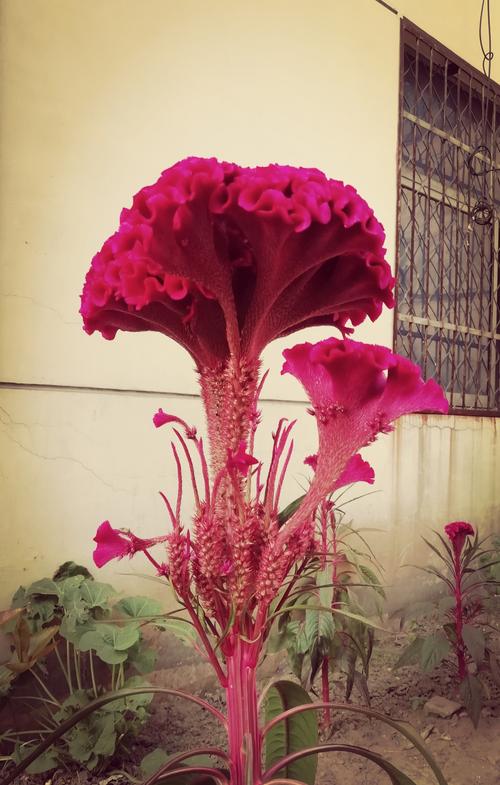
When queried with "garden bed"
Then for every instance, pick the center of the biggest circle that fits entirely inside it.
(467, 756)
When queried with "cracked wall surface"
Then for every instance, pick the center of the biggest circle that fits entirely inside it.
(97, 99)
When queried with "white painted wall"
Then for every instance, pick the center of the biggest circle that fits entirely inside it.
(98, 97)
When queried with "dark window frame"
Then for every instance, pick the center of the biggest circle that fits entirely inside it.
(442, 328)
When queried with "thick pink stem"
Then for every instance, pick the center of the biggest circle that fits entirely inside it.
(459, 618)
(244, 737)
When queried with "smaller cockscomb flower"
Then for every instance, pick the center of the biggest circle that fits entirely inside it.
(239, 460)
(458, 531)
(116, 543)
(357, 391)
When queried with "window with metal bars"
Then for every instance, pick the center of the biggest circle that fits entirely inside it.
(448, 315)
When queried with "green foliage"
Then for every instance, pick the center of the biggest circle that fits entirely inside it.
(325, 617)
(95, 640)
(291, 734)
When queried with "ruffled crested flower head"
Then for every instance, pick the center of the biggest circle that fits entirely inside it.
(458, 531)
(223, 259)
(357, 390)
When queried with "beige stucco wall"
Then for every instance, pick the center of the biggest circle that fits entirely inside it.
(98, 97)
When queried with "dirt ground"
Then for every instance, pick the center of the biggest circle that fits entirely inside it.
(467, 756)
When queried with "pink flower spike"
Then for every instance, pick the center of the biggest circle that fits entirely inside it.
(240, 460)
(111, 544)
(458, 531)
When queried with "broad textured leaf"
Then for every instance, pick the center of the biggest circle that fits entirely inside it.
(292, 734)
(110, 642)
(45, 762)
(318, 627)
(43, 587)
(43, 610)
(95, 594)
(434, 650)
(475, 641)
(471, 692)
(69, 569)
(139, 607)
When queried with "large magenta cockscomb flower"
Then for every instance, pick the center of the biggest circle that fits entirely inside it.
(357, 390)
(224, 259)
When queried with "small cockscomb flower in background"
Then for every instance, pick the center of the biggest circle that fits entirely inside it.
(458, 531)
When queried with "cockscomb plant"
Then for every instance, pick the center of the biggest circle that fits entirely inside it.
(223, 259)
(462, 614)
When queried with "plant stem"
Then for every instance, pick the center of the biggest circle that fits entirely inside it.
(76, 660)
(244, 738)
(92, 674)
(61, 665)
(44, 687)
(68, 668)
(459, 619)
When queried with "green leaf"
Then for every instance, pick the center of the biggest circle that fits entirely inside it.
(371, 578)
(434, 650)
(471, 692)
(72, 631)
(475, 642)
(411, 654)
(292, 734)
(288, 511)
(153, 761)
(142, 657)
(139, 607)
(110, 642)
(319, 626)
(69, 569)
(45, 762)
(95, 594)
(132, 702)
(181, 628)
(43, 587)
(42, 610)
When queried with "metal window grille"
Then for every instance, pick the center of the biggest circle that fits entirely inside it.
(447, 315)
